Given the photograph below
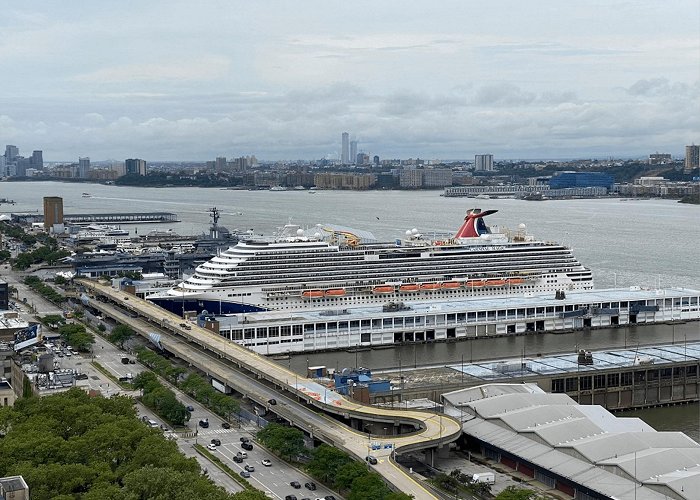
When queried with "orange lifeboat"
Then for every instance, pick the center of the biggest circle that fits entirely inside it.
(430, 286)
(515, 281)
(335, 292)
(383, 289)
(312, 294)
(495, 282)
(451, 284)
(474, 284)
(411, 287)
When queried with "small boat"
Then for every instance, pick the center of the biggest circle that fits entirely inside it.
(278, 188)
(87, 195)
(474, 283)
(410, 287)
(451, 284)
(515, 281)
(312, 294)
(495, 282)
(383, 289)
(430, 286)
(335, 292)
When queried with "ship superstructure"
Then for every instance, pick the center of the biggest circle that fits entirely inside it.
(333, 267)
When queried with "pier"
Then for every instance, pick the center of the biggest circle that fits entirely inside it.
(122, 218)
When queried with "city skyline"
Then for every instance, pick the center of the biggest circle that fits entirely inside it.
(179, 81)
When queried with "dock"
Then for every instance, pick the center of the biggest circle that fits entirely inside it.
(122, 218)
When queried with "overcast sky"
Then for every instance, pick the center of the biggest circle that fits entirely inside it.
(193, 80)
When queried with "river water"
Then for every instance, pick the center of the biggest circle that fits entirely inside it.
(645, 243)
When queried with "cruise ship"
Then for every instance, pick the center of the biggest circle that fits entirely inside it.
(332, 267)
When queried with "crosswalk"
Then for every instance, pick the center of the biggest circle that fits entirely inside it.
(211, 432)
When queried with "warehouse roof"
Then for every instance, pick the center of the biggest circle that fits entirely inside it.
(585, 444)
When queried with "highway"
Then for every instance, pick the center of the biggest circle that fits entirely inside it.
(219, 358)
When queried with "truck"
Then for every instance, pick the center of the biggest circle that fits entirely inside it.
(484, 477)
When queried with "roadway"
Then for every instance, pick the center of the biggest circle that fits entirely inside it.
(220, 358)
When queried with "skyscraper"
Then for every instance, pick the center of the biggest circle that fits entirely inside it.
(220, 163)
(353, 151)
(692, 157)
(83, 167)
(11, 152)
(37, 160)
(345, 153)
(483, 163)
(135, 166)
(53, 212)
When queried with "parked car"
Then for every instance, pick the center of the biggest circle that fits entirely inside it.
(295, 484)
(310, 486)
(272, 402)
(216, 442)
(247, 446)
(329, 497)
(249, 468)
(267, 463)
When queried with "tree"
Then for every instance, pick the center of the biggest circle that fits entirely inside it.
(287, 442)
(76, 336)
(326, 461)
(515, 493)
(368, 487)
(348, 473)
(121, 334)
(249, 495)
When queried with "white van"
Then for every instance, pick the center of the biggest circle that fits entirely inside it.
(152, 423)
(484, 477)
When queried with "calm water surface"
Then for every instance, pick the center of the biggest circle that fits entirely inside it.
(625, 243)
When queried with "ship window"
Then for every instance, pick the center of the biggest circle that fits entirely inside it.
(571, 384)
(450, 318)
(296, 329)
(387, 322)
(585, 383)
(461, 316)
(558, 385)
(626, 378)
(237, 334)
(333, 326)
(376, 323)
(502, 314)
(343, 326)
(481, 315)
(365, 323)
(309, 328)
(274, 331)
(491, 315)
(613, 379)
(471, 316)
(409, 321)
(286, 330)
(599, 382)
(249, 332)
(354, 324)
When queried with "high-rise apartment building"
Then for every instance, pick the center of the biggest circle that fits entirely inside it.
(83, 167)
(345, 152)
(375, 160)
(483, 163)
(37, 160)
(53, 212)
(353, 152)
(692, 157)
(11, 153)
(220, 163)
(135, 166)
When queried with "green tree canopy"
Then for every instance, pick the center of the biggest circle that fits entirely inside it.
(326, 461)
(71, 445)
(121, 334)
(287, 442)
